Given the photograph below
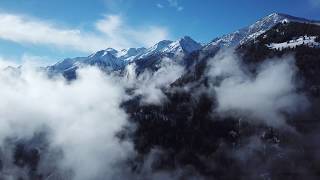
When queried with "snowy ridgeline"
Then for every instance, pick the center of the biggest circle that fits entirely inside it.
(303, 40)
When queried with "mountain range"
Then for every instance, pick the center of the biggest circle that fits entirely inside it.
(114, 60)
(188, 129)
(191, 131)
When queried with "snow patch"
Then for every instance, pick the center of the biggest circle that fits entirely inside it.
(303, 40)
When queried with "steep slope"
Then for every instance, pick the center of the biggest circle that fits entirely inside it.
(190, 133)
(186, 135)
(182, 46)
(131, 54)
(176, 51)
(299, 39)
(251, 32)
(240, 37)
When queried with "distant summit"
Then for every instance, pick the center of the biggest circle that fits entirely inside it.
(250, 32)
(114, 60)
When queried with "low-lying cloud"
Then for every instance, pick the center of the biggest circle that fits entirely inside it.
(79, 118)
(149, 84)
(73, 125)
(267, 95)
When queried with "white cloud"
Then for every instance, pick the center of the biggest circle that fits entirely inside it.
(266, 96)
(121, 35)
(26, 59)
(175, 4)
(150, 84)
(4, 63)
(160, 6)
(35, 61)
(111, 31)
(110, 24)
(81, 119)
(180, 8)
(171, 3)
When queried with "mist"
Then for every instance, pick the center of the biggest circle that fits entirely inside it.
(73, 125)
(151, 84)
(78, 119)
(266, 96)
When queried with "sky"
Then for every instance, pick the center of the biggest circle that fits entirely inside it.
(51, 30)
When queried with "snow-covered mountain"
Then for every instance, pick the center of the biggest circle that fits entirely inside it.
(251, 32)
(108, 58)
(116, 60)
(188, 127)
(193, 129)
(111, 59)
(129, 55)
(182, 46)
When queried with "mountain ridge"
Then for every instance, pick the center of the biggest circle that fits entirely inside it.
(115, 60)
(187, 131)
(252, 31)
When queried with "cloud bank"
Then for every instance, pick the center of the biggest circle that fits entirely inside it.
(150, 85)
(267, 95)
(73, 125)
(79, 119)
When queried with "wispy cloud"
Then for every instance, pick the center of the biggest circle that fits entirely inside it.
(315, 3)
(175, 4)
(111, 31)
(171, 3)
(160, 6)
(122, 35)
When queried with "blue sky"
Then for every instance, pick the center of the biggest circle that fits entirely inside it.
(50, 30)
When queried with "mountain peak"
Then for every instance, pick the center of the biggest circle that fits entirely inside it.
(101, 53)
(185, 44)
(157, 48)
(250, 32)
(279, 17)
(162, 44)
(131, 53)
(186, 38)
(277, 14)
